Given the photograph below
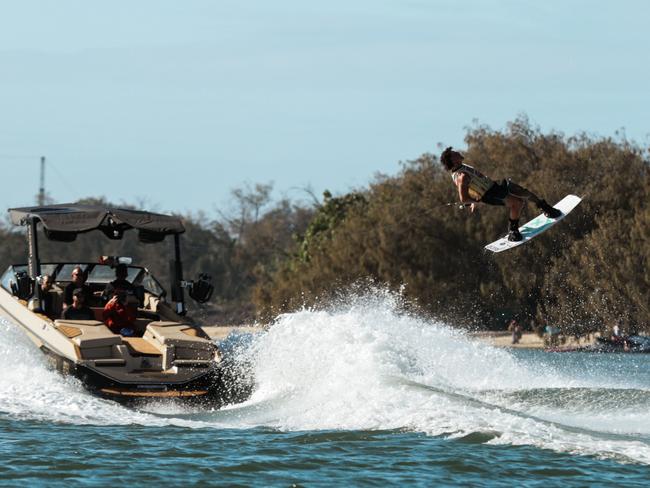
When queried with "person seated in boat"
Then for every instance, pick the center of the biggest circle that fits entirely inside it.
(120, 313)
(78, 310)
(120, 283)
(78, 282)
(47, 296)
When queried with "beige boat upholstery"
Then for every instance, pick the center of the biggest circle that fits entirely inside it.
(93, 333)
(176, 342)
(150, 302)
(172, 334)
(95, 340)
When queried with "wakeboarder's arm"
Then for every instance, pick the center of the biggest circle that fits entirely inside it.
(462, 183)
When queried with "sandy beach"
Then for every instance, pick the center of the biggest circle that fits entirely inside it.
(529, 340)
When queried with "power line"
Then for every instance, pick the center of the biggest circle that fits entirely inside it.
(69, 187)
(42, 194)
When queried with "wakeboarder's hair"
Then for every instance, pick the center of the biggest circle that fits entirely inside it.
(445, 158)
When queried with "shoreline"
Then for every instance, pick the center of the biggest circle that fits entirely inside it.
(529, 340)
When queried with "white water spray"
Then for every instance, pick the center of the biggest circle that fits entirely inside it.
(367, 366)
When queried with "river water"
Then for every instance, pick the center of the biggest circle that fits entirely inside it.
(358, 395)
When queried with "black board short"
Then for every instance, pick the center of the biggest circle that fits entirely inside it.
(497, 193)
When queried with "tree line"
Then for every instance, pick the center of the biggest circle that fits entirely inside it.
(269, 257)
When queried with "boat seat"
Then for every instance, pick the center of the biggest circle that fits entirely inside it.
(185, 346)
(93, 333)
(172, 334)
(150, 302)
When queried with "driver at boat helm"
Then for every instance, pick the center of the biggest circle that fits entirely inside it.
(120, 314)
(78, 281)
(119, 283)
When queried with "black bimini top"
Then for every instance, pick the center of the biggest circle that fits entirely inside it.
(64, 221)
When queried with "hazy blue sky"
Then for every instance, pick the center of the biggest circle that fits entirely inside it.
(179, 101)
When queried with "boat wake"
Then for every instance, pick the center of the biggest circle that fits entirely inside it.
(366, 366)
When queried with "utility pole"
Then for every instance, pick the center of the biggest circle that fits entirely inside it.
(41, 191)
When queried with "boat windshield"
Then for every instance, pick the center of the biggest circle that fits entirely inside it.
(99, 274)
(151, 285)
(102, 273)
(65, 273)
(9, 275)
(46, 269)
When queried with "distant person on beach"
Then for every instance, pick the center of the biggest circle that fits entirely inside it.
(553, 335)
(474, 187)
(516, 329)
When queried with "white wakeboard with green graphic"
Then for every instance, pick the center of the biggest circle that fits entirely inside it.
(536, 226)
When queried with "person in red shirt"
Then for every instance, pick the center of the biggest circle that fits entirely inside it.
(119, 316)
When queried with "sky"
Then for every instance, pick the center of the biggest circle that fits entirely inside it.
(172, 104)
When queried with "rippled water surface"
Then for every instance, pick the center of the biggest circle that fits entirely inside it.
(361, 395)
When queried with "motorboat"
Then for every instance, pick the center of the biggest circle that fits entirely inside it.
(166, 354)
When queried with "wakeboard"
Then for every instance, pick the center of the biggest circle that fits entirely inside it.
(535, 227)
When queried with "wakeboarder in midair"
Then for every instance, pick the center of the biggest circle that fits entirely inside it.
(474, 187)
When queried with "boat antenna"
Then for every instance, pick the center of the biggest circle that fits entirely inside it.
(41, 191)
